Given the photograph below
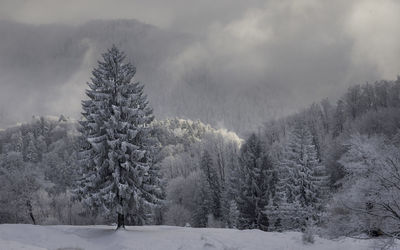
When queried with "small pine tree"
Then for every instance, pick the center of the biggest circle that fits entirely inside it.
(117, 151)
(233, 214)
(272, 213)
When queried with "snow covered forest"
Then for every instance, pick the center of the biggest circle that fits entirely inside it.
(172, 124)
(331, 168)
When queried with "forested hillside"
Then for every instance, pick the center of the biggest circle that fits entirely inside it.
(333, 166)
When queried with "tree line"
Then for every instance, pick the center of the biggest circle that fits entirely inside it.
(332, 166)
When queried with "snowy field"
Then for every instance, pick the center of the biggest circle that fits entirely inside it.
(16, 237)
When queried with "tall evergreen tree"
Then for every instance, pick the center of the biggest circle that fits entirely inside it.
(203, 203)
(212, 182)
(302, 179)
(339, 118)
(117, 153)
(229, 208)
(31, 152)
(253, 185)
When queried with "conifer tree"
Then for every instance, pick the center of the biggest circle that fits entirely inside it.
(229, 208)
(212, 182)
(339, 119)
(116, 156)
(233, 214)
(17, 141)
(302, 180)
(31, 152)
(253, 185)
(203, 203)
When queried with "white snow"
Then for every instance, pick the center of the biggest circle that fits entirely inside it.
(21, 236)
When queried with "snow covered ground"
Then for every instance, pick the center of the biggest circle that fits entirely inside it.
(20, 236)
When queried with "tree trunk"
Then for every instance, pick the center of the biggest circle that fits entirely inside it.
(121, 221)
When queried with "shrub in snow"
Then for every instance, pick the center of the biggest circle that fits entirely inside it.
(308, 236)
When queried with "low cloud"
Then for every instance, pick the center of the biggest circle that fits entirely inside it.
(238, 64)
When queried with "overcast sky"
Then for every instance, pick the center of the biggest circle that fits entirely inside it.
(289, 52)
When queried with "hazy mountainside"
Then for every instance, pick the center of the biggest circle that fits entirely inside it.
(50, 71)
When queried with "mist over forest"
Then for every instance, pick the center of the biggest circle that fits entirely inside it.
(235, 74)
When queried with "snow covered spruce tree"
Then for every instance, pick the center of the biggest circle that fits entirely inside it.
(253, 185)
(303, 182)
(118, 175)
